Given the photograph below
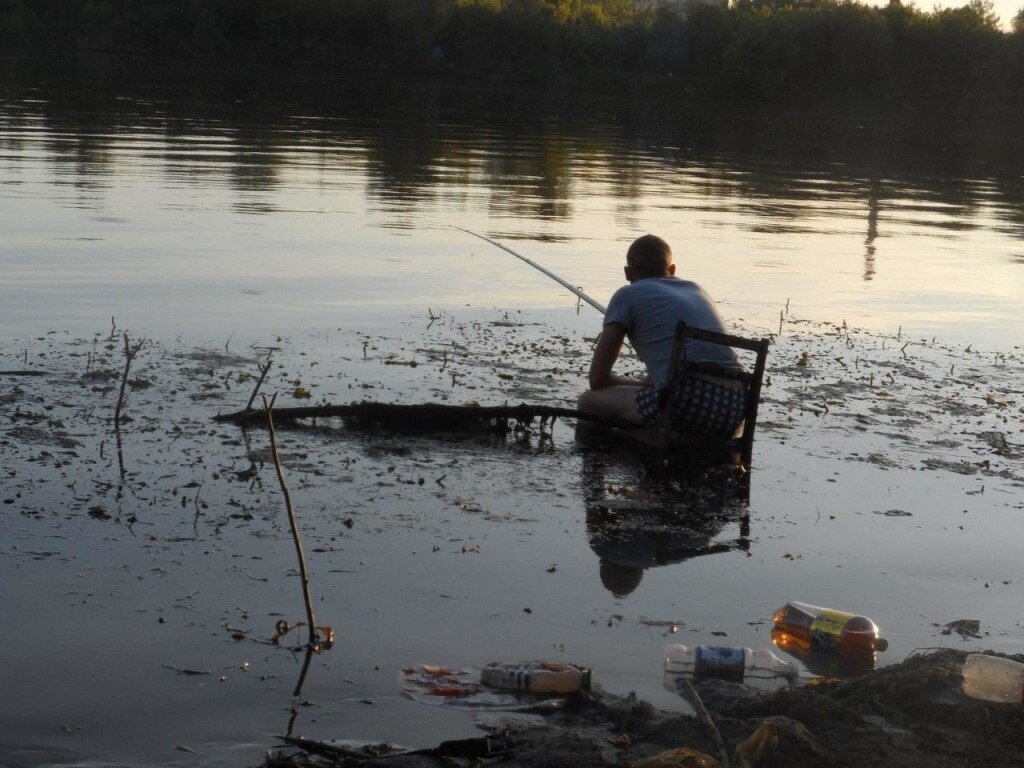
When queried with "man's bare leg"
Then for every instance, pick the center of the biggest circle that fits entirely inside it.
(616, 404)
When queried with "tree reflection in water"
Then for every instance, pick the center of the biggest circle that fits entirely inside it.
(414, 145)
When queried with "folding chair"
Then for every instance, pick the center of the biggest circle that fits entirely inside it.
(741, 445)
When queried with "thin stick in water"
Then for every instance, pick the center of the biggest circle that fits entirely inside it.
(301, 681)
(268, 407)
(705, 719)
(129, 354)
(264, 367)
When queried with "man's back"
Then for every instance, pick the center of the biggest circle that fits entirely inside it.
(651, 308)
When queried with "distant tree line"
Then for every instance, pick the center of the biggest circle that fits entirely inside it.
(760, 50)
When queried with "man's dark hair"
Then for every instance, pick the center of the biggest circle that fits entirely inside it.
(649, 256)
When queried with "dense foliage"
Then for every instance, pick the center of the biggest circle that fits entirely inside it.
(756, 49)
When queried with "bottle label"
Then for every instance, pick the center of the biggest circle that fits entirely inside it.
(513, 676)
(723, 663)
(827, 628)
(538, 677)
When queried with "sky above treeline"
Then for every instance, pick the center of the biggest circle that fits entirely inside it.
(1005, 9)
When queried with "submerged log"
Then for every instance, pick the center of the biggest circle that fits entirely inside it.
(412, 417)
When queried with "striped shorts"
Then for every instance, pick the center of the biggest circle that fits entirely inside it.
(701, 407)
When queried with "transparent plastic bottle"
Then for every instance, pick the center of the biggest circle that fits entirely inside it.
(994, 678)
(538, 677)
(740, 665)
(828, 630)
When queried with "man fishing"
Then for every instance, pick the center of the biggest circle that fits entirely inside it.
(648, 310)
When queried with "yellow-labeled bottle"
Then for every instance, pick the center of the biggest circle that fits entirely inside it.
(830, 631)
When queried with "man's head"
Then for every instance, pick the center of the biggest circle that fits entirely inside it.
(649, 256)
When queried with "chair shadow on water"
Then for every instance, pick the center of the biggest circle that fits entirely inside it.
(641, 516)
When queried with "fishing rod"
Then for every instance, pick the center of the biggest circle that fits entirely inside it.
(564, 283)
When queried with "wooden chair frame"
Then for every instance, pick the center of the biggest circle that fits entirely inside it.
(743, 443)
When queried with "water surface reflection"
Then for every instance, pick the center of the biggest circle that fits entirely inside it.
(539, 156)
(184, 186)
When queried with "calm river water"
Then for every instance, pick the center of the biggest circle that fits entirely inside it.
(213, 211)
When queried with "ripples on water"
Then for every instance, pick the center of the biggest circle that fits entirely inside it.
(319, 183)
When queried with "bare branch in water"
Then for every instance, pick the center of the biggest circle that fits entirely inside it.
(268, 408)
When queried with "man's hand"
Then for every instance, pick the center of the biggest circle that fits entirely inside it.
(605, 354)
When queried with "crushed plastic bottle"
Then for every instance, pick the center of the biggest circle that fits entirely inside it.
(740, 665)
(994, 678)
(830, 631)
(538, 677)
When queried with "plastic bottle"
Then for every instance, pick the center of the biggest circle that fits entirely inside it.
(538, 677)
(736, 664)
(824, 663)
(994, 678)
(830, 631)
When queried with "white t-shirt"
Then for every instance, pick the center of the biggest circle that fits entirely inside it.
(651, 308)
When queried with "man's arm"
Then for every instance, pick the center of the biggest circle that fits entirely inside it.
(605, 354)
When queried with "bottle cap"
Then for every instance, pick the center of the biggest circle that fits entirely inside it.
(881, 644)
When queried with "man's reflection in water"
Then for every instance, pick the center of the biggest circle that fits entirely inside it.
(640, 515)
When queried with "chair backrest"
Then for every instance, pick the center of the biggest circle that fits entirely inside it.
(744, 443)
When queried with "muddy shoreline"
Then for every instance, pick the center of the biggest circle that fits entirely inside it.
(913, 714)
